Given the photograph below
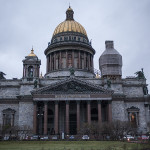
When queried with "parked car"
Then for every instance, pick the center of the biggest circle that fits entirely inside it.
(28, 137)
(44, 138)
(54, 137)
(35, 137)
(85, 137)
(143, 137)
(128, 137)
(6, 138)
(71, 137)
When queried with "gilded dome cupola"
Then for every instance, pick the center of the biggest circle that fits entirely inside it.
(69, 48)
(69, 14)
(32, 53)
(69, 25)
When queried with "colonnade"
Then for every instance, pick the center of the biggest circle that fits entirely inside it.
(73, 58)
(67, 104)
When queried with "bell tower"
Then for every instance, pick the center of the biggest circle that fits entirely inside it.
(31, 66)
(110, 62)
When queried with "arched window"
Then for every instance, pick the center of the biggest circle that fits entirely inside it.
(82, 60)
(8, 117)
(30, 71)
(52, 62)
(86, 62)
(69, 60)
(133, 116)
(57, 61)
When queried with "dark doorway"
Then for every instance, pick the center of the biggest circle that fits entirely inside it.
(94, 114)
(50, 122)
(73, 124)
(104, 110)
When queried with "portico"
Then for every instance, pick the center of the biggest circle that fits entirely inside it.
(69, 106)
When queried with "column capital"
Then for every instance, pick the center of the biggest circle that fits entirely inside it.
(109, 102)
(34, 103)
(99, 101)
(45, 103)
(88, 101)
(67, 101)
(56, 102)
(78, 101)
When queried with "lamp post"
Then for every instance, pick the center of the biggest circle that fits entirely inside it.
(40, 119)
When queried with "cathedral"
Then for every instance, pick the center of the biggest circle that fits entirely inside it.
(72, 92)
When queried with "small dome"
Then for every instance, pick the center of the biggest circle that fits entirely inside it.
(32, 53)
(69, 25)
(70, 9)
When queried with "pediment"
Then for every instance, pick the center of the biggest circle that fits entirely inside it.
(71, 86)
(133, 108)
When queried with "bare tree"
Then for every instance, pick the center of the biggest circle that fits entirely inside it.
(115, 130)
(96, 130)
(85, 129)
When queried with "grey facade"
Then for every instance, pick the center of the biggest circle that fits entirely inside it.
(70, 93)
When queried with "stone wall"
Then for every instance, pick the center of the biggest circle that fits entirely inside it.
(118, 111)
(133, 91)
(26, 114)
(117, 88)
(9, 91)
(26, 89)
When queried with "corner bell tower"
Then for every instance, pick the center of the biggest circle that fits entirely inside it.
(110, 62)
(31, 66)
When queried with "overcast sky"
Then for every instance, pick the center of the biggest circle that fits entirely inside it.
(24, 23)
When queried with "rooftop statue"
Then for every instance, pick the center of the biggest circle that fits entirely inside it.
(108, 83)
(2, 75)
(35, 83)
(140, 74)
(72, 71)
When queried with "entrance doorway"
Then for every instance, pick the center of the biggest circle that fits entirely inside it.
(73, 124)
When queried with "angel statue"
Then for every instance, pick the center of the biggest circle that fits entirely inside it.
(2, 75)
(140, 74)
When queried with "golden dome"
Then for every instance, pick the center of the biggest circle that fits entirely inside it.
(32, 53)
(69, 25)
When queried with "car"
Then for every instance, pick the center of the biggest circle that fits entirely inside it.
(44, 138)
(54, 137)
(6, 138)
(35, 137)
(71, 137)
(128, 137)
(143, 137)
(85, 137)
(28, 137)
